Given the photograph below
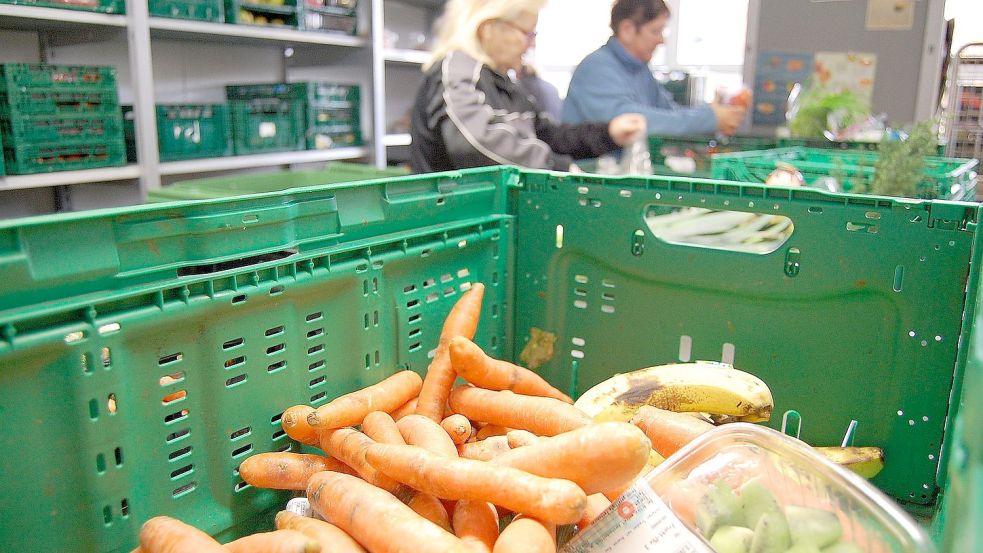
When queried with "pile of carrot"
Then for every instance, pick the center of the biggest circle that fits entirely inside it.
(417, 464)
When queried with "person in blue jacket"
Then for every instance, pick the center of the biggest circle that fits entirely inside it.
(616, 79)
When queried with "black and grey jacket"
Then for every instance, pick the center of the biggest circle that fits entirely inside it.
(467, 115)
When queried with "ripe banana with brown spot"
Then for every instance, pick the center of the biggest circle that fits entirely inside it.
(865, 461)
(703, 387)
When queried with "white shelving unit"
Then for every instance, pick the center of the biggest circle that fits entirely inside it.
(162, 60)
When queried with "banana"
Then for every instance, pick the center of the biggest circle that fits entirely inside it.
(865, 461)
(704, 386)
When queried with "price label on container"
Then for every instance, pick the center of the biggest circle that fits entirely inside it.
(637, 521)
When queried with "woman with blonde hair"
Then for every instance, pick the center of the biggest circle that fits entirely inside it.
(471, 112)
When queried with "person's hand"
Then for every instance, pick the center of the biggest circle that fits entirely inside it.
(729, 118)
(626, 128)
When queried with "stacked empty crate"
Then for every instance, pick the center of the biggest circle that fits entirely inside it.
(293, 116)
(58, 117)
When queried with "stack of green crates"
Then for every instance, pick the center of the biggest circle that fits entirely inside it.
(199, 10)
(59, 117)
(102, 6)
(294, 116)
(700, 149)
(944, 178)
(337, 16)
(240, 185)
(276, 13)
(186, 131)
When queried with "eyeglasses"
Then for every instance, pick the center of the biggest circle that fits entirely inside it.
(531, 35)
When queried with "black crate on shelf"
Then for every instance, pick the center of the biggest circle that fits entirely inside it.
(198, 10)
(317, 15)
(274, 13)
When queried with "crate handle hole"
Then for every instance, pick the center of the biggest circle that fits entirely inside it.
(111, 404)
(248, 261)
(737, 231)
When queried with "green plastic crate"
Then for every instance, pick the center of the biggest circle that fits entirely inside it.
(321, 94)
(838, 145)
(267, 125)
(18, 102)
(223, 187)
(700, 149)
(248, 13)
(255, 303)
(57, 77)
(186, 131)
(945, 178)
(48, 157)
(64, 129)
(102, 6)
(2, 168)
(199, 10)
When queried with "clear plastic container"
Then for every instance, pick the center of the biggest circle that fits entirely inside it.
(739, 474)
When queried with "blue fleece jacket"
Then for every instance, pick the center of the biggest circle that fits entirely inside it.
(610, 81)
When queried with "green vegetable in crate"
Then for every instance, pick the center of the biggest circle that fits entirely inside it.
(702, 387)
(809, 118)
(901, 164)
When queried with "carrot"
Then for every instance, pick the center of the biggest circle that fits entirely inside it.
(407, 408)
(669, 431)
(471, 363)
(458, 427)
(422, 432)
(543, 416)
(476, 523)
(349, 446)
(430, 508)
(485, 450)
(521, 438)
(461, 321)
(331, 538)
(294, 423)
(491, 430)
(285, 470)
(169, 535)
(277, 541)
(598, 458)
(527, 535)
(595, 506)
(376, 519)
(381, 427)
(350, 409)
(552, 500)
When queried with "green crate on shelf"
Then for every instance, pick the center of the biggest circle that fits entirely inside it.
(57, 77)
(48, 157)
(223, 187)
(102, 6)
(267, 125)
(324, 137)
(198, 10)
(18, 102)
(700, 149)
(63, 129)
(283, 14)
(945, 178)
(321, 94)
(251, 304)
(2, 169)
(186, 131)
